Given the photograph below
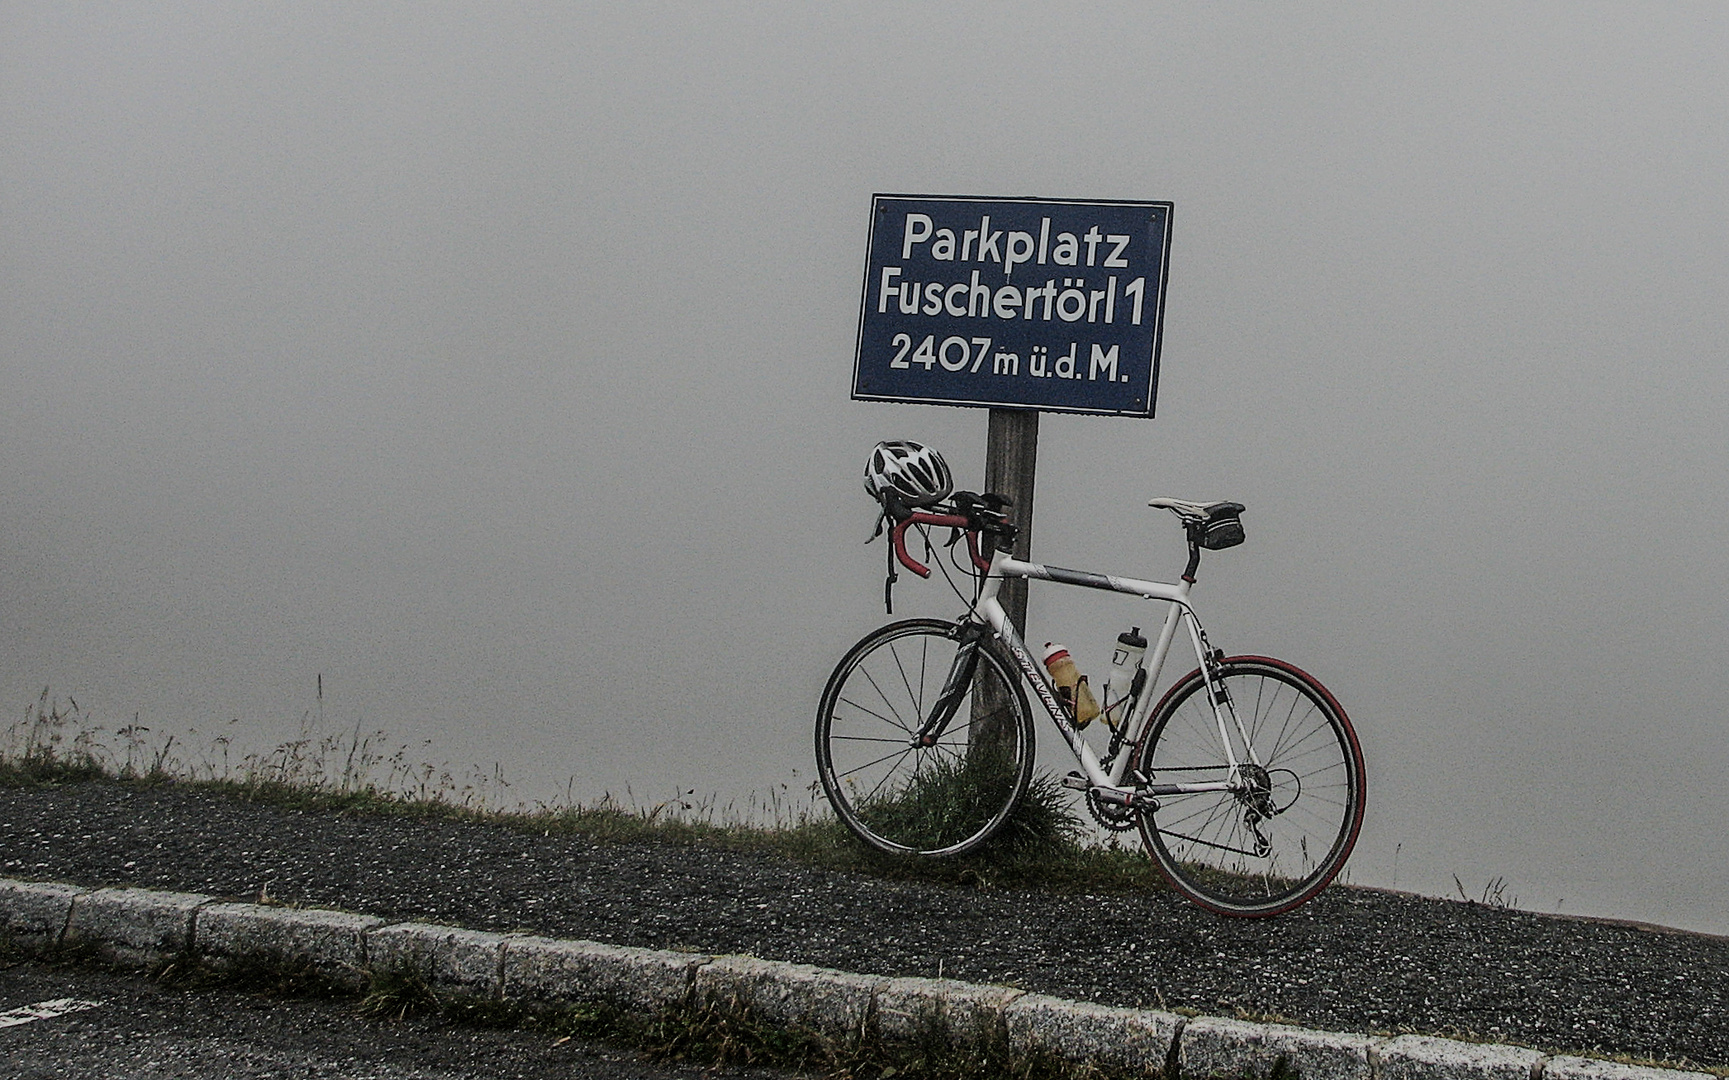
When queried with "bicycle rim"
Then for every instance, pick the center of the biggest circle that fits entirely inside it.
(1264, 850)
(903, 798)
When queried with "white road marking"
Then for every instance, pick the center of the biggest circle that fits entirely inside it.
(44, 1010)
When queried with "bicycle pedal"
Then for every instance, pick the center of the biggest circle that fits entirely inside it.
(1077, 781)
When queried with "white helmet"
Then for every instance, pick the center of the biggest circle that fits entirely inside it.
(916, 473)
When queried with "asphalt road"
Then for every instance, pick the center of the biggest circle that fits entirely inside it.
(129, 1028)
(1352, 960)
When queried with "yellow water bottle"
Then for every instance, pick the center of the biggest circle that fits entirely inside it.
(1070, 684)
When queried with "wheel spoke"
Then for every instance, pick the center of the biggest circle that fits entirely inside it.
(914, 695)
(879, 716)
(1206, 843)
(897, 721)
(901, 753)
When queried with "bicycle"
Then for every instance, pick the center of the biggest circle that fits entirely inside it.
(1244, 778)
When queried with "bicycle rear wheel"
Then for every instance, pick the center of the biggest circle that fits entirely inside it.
(896, 795)
(1285, 833)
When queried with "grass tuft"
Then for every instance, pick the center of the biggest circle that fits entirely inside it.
(397, 995)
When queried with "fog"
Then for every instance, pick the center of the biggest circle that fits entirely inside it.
(489, 366)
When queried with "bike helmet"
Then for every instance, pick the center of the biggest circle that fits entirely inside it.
(916, 473)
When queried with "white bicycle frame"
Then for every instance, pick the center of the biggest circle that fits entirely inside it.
(1108, 784)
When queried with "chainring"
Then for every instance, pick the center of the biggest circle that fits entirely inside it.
(1111, 816)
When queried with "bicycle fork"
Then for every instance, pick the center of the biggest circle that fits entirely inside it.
(960, 680)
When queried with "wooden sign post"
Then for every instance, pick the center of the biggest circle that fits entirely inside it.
(1011, 459)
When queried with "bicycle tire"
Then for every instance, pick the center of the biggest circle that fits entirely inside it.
(1247, 853)
(895, 795)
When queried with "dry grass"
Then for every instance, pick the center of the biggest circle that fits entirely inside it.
(357, 772)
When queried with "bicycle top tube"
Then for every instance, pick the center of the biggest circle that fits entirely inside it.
(1086, 579)
(1008, 566)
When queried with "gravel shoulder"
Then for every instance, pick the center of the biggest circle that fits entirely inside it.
(1352, 960)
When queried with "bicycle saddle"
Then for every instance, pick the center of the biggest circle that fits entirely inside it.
(1194, 509)
(1213, 526)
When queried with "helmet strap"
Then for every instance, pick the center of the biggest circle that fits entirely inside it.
(889, 583)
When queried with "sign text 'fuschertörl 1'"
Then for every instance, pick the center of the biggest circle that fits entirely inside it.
(1050, 304)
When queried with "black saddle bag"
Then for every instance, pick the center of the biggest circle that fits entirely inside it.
(1222, 527)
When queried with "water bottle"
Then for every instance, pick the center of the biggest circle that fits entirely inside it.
(1120, 683)
(1070, 684)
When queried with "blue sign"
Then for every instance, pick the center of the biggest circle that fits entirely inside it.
(1053, 304)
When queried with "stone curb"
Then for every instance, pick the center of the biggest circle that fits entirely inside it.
(133, 926)
(332, 942)
(1210, 1045)
(1083, 1031)
(550, 971)
(140, 927)
(833, 1002)
(469, 962)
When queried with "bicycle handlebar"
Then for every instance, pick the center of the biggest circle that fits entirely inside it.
(899, 537)
(958, 522)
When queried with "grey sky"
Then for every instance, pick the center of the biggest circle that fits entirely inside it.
(492, 362)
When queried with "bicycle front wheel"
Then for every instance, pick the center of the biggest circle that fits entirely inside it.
(896, 794)
(1284, 831)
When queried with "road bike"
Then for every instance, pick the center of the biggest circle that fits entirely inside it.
(1244, 778)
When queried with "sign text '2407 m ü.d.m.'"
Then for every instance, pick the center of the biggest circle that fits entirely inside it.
(1020, 303)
